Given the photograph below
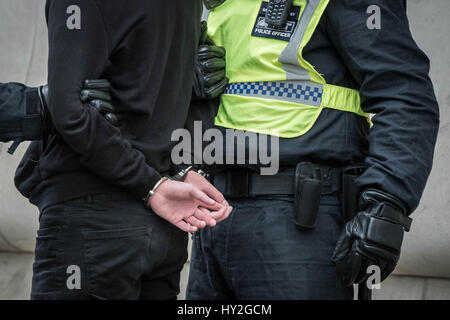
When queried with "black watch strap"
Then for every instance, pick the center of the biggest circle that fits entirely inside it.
(180, 176)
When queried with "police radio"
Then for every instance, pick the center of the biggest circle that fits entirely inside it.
(278, 12)
(211, 4)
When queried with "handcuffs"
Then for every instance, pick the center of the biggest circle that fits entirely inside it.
(180, 176)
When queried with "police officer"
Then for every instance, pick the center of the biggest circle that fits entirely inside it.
(310, 72)
(25, 115)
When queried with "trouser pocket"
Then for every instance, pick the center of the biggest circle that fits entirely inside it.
(47, 262)
(115, 261)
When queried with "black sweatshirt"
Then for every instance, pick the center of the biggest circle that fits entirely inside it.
(146, 49)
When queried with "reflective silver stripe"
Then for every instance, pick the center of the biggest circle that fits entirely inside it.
(289, 57)
(301, 92)
(205, 14)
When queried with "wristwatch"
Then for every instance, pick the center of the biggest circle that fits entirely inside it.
(180, 176)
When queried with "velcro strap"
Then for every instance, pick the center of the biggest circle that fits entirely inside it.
(392, 214)
(385, 233)
(14, 146)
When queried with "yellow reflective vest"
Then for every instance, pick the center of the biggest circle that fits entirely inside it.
(273, 89)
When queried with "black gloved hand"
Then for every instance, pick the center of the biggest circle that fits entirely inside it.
(94, 92)
(209, 78)
(97, 94)
(373, 237)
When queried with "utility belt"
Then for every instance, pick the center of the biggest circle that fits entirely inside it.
(307, 182)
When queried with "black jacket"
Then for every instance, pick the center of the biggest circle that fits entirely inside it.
(146, 49)
(392, 76)
(20, 114)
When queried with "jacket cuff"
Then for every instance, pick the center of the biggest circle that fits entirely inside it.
(148, 181)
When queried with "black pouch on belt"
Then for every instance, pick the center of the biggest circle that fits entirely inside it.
(350, 191)
(308, 191)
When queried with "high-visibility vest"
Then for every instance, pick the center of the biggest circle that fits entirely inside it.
(273, 89)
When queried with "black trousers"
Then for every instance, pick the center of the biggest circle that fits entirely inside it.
(106, 247)
(258, 253)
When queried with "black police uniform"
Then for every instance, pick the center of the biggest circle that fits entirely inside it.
(259, 252)
(20, 114)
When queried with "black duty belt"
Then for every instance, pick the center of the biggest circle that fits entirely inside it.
(248, 184)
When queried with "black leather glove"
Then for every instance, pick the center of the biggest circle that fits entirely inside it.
(94, 92)
(373, 237)
(209, 78)
(97, 94)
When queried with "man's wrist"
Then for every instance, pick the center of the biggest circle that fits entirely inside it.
(49, 127)
(153, 190)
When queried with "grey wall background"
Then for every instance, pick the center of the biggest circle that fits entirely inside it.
(425, 262)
